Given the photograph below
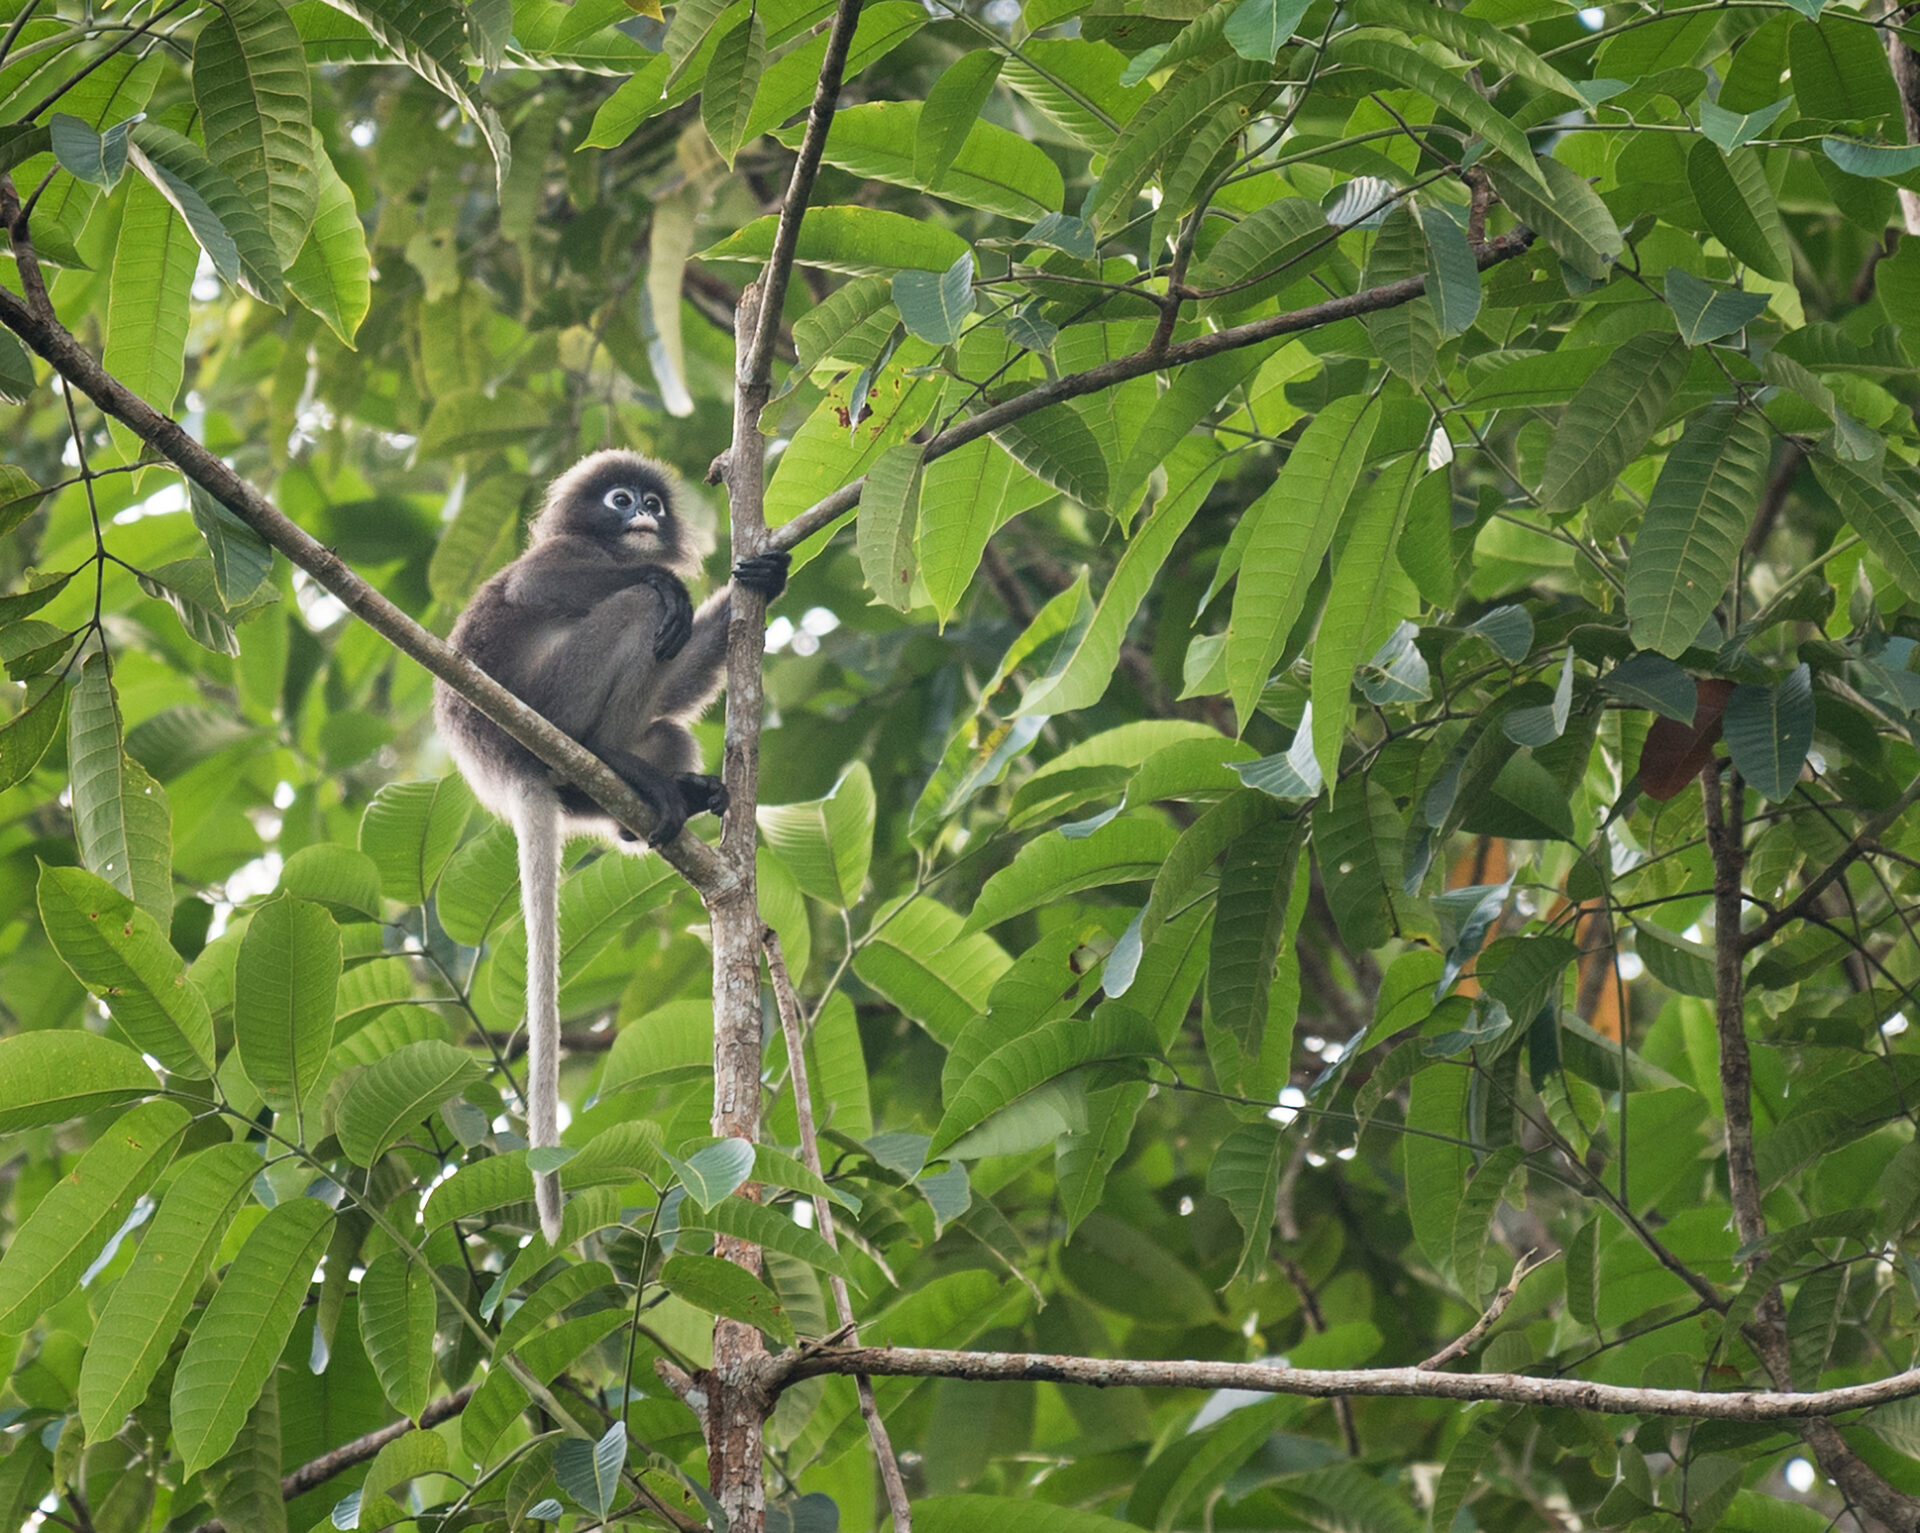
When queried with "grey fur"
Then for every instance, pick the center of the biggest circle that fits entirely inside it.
(591, 627)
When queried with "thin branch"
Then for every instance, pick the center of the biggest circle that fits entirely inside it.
(338, 1460)
(1323, 1383)
(1808, 898)
(1460, 1346)
(791, 1026)
(1138, 364)
(57, 346)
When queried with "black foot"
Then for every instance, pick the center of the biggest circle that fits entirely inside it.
(676, 627)
(703, 794)
(765, 574)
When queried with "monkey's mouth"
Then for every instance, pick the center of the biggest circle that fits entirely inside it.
(641, 522)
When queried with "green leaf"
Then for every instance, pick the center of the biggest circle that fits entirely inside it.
(397, 1309)
(150, 283)
(858, 241)
(1471, 36)
(1057, 446)
(242, 559)
(338, 877)
(1544, 723)
(1838, 68)
(1453, 275)
(1006, 1514)
(431, 40)
(1363, 577)
(732, 80)
(285, 983)
(827, 843)
(410, 829)
(1407, 335)
(766, 1227)
(1259, 29)
(936, 307)
(1462, 1472)
(1689, 542)
(1570, 216)
(1028, 1062)
(332, 274)
(1655, 683)
(1053, 866)
(716, 1172)
(920, 962)
(149, 1303)
(24, 738)
(51, 1075)
(1268, 250)
(479, 1187)
(1448, 90)
(16, 388)
(1611, 418)
(1735, 130)
(1680, 965)
(1739, 207)
(244, 1329)
(190, 587)
(394, 1093)
(1858, 159)
(121, 954)
(228, 229)
(1245, 1174)
(1293, 524)
(250, 83)
(1707, 313)
(889, 518)
(1885, 519)
(1473, 1220)
(120, 816)
(244, 1486)
(72, 1224)
(721, 1288)
(1437, 1175)
(950, 113)
(1165, 126)
(86, 155)
(1769, 731)
(590, 1471)
(1358, 841)
(1249, 926)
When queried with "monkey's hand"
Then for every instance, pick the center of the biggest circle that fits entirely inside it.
(676, 611)
(764, 574)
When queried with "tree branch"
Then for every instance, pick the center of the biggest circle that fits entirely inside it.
(738, 1401)
(318, 1471)
(57, 346)
(1389, 295)
(1460, 1346)
(1323, 1383)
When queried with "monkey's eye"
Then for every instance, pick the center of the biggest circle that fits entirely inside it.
(618, 500)
(653, 504)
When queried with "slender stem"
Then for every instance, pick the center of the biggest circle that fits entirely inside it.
(1138, 364)
(794, 1032)
(1805, 901)
(1323, 1383)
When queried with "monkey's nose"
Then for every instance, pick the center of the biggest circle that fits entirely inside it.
(640, 521)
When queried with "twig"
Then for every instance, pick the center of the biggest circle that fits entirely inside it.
(1322, 1383)
(1138, 364)
(1808, 898)
(788, 1005)
(1460, 1346)
(338, 1460)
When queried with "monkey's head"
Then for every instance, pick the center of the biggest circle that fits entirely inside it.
(618, 498)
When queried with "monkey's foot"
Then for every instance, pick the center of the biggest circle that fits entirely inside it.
(765, 574)
(703, 794)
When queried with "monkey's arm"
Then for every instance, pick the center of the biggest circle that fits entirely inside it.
(693, 678)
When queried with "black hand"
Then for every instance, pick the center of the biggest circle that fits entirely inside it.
(765, 574)
(676, 612)
(702, 793)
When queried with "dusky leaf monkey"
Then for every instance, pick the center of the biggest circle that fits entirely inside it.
(592, 628)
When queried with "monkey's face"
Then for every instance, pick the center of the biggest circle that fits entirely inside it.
(619, 498)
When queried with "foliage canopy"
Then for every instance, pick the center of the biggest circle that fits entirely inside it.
(1346, 716)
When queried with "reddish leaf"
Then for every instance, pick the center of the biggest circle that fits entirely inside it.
(1675, 752)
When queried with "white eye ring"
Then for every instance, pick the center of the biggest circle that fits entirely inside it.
(618, 500)
(653, 503)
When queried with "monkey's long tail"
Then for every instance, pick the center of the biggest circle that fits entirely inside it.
(537, 825)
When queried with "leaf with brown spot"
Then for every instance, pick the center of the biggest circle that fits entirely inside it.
(1675, 752)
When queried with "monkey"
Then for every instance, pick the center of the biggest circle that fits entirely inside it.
(592, 628)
